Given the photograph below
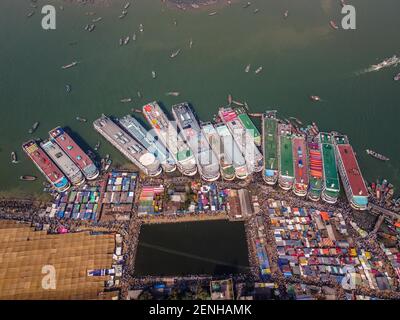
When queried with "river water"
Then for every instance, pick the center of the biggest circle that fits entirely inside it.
(301, 55)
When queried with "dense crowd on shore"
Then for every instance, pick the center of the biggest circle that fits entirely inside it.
(32, 212)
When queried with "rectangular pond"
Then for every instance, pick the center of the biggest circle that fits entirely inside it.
(207, 248)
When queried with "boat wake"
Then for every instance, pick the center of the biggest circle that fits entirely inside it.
(389, 62)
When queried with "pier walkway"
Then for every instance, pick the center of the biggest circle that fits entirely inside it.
(379, 210)
(383, 213)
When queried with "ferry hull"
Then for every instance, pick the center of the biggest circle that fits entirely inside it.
(211, 179)
(228, 178)
(186, 172)
(314, 197)
(94, 177)
(328, 199)
(61, 184)
(350, 173)
(286, 185)
(271, 180)
(299, 192)
(357, 207)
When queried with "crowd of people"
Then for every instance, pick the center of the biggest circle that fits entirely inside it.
(33, 212)
(370, 244)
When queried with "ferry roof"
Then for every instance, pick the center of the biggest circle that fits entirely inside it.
(353, 172)
(249, 125)
(70, 169)
(69, 146)
(329, 160)
(231, 149)
(286, 167)
(270, 144)
(227, 114)
(213, 138)
(120, 138)
(43, 161)
(195, 138)
(166, 131)
(185, 117)
(218, 147)
(315, 165)
(244, 141)
(143, 136)
(300, 160)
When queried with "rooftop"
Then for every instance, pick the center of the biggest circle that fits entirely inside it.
(70, 169)
(286, 161)
(353, 172)
(270, 144)
(43, 161)
(300, 160)
(166, 130)
(249, 125)
(329, 160)
(69, 146)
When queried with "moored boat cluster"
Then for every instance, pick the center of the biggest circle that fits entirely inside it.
(61, 160)
(286, 153)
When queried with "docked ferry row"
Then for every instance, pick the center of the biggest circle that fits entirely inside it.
(226, 149)
(61, 160)
(303, 160)
(309, 162)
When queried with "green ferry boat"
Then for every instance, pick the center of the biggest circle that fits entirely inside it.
(270, 134)
(249, 125)
(286, 168)
(331, 186)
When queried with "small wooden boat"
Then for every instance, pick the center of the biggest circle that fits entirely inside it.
(333, 25)
(174, 54)
(229, 99)
(81, 119)
(258, 70)
(286, 14)
(173, 94)
(315, 98)
(376, 155)
(14, 157)
(27, 178)
(34, 127)
(238, 103)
